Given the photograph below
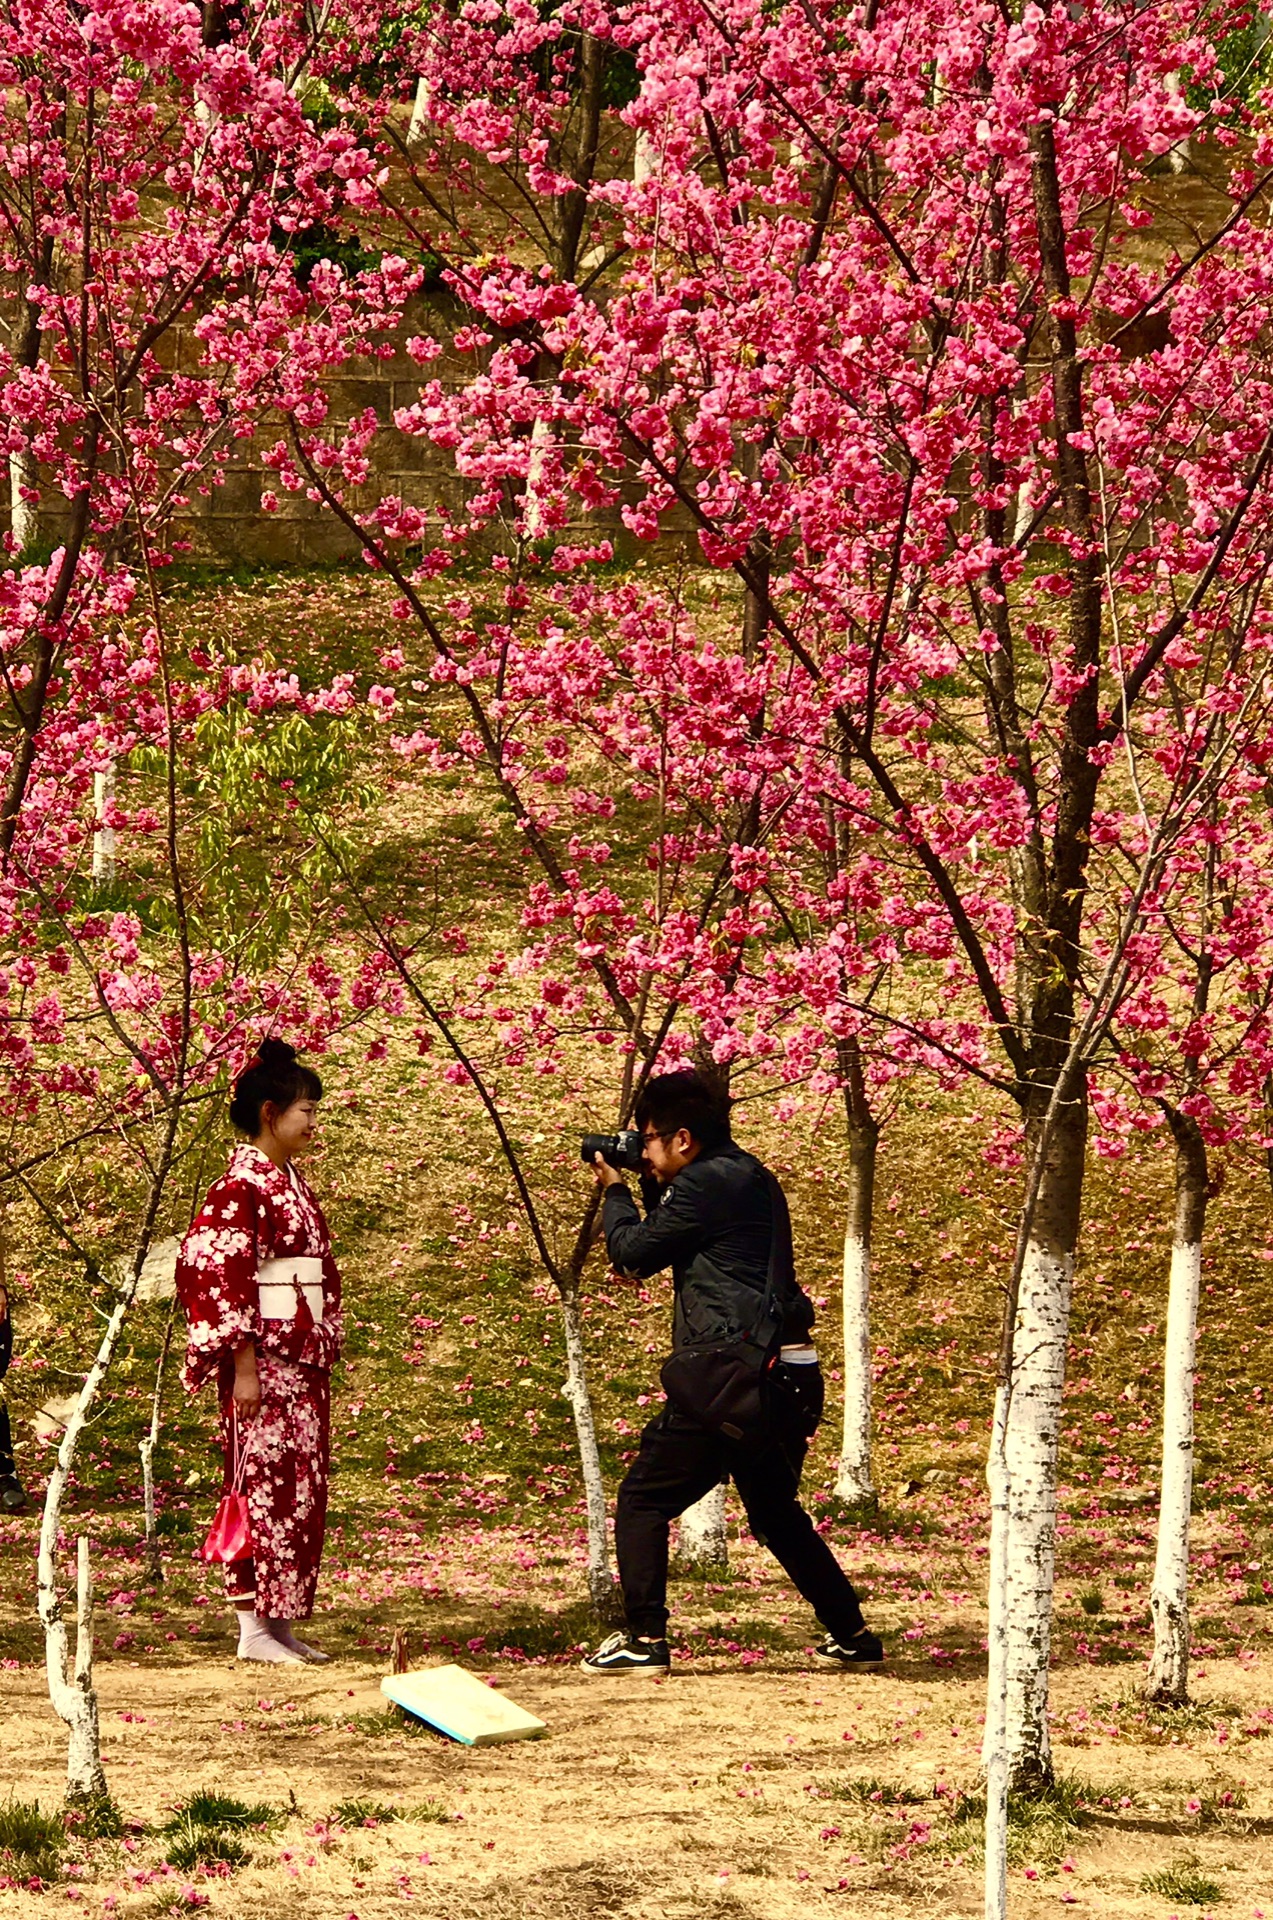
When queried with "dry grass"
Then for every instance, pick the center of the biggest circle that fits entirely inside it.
(715, 1791)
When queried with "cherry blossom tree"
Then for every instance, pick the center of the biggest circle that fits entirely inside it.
(980, 738)
(1193, 1038)
(893, 333)
(128, 224)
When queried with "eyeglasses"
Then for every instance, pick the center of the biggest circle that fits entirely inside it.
(659, 1136)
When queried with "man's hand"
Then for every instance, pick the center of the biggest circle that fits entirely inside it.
(607, 1176)
(4, 1303)
(247, 1387)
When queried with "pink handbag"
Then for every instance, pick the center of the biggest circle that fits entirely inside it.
(230, 1535)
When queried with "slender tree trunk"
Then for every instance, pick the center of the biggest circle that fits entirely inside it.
(73, 1697)
(644, 158)
(1179, 155)
(853, 1480)
(581, 166)
(84, 1777)
(103, 836)
(24, 522)
(1168, 1678)
(541, 436)
(600, 1578)
(419, 113)
(1021, 1470)
(995, 1753)
(704, 1542)
(153, 1557)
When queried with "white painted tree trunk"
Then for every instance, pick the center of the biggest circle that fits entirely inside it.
(644, 158)
(1178, 157)
(419, 112)
(853, 1482)
(995, 1750)
(1021, 1472)
(73, 1696)
(104, 836)
(24, 522)
(84, 1777)
(1168, 1677)
(1022, 1586)
(704, 1538)
(853, 1479)
(153, 1557)
(575, 1389)
(541, 440)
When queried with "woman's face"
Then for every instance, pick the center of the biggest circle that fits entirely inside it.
(293, 1128)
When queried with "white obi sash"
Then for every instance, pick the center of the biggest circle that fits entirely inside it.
(282, 1282)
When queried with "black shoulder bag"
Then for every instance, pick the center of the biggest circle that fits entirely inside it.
(722, 1387)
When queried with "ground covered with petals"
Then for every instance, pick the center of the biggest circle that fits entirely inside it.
(746, 1783)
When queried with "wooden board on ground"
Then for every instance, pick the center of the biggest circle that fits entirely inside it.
(457, 1703)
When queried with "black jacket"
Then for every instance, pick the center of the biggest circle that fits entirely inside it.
(713, 1226)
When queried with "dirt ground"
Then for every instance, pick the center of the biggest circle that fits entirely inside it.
(718, 1791)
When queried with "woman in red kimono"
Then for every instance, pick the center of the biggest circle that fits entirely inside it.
(261, 1294)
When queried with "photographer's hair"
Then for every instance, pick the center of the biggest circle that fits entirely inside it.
(274, 1074)
(685, 1099)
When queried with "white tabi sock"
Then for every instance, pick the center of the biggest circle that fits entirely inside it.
(282, 1632)
(256, 1642)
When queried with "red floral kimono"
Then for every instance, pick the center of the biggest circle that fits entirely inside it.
(256, 1215)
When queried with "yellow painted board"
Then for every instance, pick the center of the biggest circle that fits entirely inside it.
(459, 1704)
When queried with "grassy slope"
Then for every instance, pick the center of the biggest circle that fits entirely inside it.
(456, 1512)
(449, 1409)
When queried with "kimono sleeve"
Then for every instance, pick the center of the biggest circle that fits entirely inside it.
(216, 1278)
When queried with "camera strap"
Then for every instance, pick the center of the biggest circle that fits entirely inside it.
(781, 1276)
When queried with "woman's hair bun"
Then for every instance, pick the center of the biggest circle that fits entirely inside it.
(274, 1074)
(273, 1054)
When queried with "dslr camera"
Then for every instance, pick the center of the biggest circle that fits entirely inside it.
(621, 1150)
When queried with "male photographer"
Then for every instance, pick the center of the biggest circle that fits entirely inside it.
(744, 1386)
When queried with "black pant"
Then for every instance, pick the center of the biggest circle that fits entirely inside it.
(679, 1462)
(7, 1469)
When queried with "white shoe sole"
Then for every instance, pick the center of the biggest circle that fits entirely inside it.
(610, 1673)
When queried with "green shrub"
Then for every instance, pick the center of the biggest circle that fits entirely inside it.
(430, 1810)
(192, 1846)
(204, 1829)
(31, 1842)
(365, 1813)
(1040, 1826)
(1219, 1801)
(96, 1819)
(1183, 1884)
(1093, 1601)
(884, 1793)
(221, 1811)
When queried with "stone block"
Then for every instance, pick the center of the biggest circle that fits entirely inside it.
(350, 397)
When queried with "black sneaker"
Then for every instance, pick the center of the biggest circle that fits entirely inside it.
(12, 1495)
(621, 1653)
(864, 1650)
